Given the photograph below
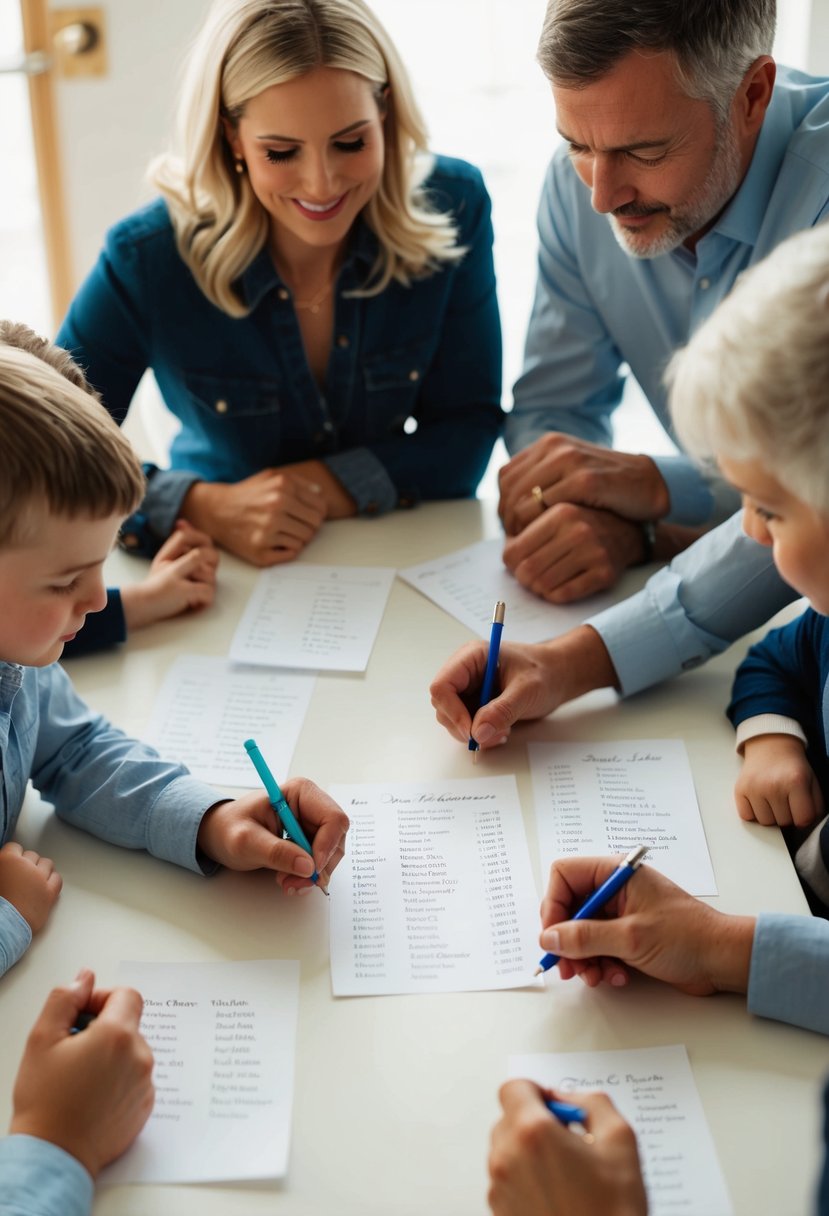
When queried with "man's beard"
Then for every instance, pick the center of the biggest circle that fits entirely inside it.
(706, 202)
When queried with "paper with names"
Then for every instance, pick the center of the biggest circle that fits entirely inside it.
(323, 617)
(435, 893)
(207, 707)
(655, 1091)
(467, 584)
(224, 1040)
(598, 798)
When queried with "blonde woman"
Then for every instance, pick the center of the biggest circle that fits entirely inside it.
(313, 291)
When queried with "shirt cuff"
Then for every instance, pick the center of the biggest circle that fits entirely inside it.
(789, 979)
(175, 820)
(768, 724)
(166, 490)
(694, 499)
(365, 479)
(15, 935)
(39, 1179)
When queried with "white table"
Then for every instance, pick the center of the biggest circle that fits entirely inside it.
(395, 1096)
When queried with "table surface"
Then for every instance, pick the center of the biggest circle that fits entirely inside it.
(395, 1096)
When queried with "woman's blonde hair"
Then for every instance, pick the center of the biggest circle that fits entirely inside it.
(753, 382)
(61, 450)
(245, 47)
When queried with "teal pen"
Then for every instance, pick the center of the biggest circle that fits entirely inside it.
(277, 799)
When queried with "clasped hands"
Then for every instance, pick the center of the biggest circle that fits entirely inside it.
(573, 512)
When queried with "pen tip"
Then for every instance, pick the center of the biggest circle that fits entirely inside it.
(475, 757)
(538, 971)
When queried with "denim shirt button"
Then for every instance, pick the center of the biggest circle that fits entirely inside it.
(343, 341)
(414, 374)
(328, 427)
(284, 294)
(221, 406)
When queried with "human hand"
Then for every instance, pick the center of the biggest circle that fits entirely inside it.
(575, 471)
(88, 1093)
(533, 680)
(569, 552)
(182, 578)
(776, 783)
(266, 519)
(29, 882)
(655, 927)
(245, 835)
(537, 1167)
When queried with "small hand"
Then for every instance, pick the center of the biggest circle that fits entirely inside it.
(29, 882)
(242, 835)
(182, 578)
(652, 926)
(572, 551)
(266, 519)
(575, 471)
(537, 1167)
(90, 1093)
(776, 783)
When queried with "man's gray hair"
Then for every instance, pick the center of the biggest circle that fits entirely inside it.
(714, 41)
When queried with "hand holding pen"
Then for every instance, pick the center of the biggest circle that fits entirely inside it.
(651, 926)
(488, 687)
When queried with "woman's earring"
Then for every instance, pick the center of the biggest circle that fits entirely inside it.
(239, 166)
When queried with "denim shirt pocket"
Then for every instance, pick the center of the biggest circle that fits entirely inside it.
(226, 398)
(393, 382)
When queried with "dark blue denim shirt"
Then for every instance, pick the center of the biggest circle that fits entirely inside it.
(242, 388)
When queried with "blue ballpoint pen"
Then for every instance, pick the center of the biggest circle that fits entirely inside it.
(277, 799)
(604, 894)
(488, 685)
(565, 1112)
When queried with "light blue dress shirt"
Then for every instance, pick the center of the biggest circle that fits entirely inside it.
(97, 778)
(597, 309)
(789, 977)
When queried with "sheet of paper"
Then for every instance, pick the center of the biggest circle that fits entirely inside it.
(224, 1040)
(467, 584)
(323, 617)
(654, 1089)
(207, 707)
(436, 892)
(597, 798)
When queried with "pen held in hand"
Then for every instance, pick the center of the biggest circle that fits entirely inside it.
(490, 675)
(600, 897)
(279, 803)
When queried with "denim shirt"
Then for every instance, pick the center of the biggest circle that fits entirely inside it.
(242, 388)
(97, 778)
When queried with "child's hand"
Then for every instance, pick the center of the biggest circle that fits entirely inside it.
(88, 1093)
(777, 785)
(242, 835)
(30, 882)
(182, 578)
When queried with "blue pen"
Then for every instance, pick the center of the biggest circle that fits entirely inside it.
(604, 894)
(488, 685)
(277, 799)
(565, 1112)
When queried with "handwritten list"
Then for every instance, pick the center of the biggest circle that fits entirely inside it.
(467, 583)
(207, 707)
(318, 617)
(598, 798)
(654, 1089)
(223, 1037)
(435, 893)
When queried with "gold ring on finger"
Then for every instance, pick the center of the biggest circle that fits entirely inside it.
(538, 496)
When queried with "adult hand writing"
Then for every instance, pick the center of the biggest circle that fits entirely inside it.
(652, 926)
(242, 835)
(537, 1167)
(534, 680)
(89, 1093)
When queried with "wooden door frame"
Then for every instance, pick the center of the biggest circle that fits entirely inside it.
(48, 160)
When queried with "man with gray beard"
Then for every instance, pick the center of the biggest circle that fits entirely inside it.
(688, 155)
